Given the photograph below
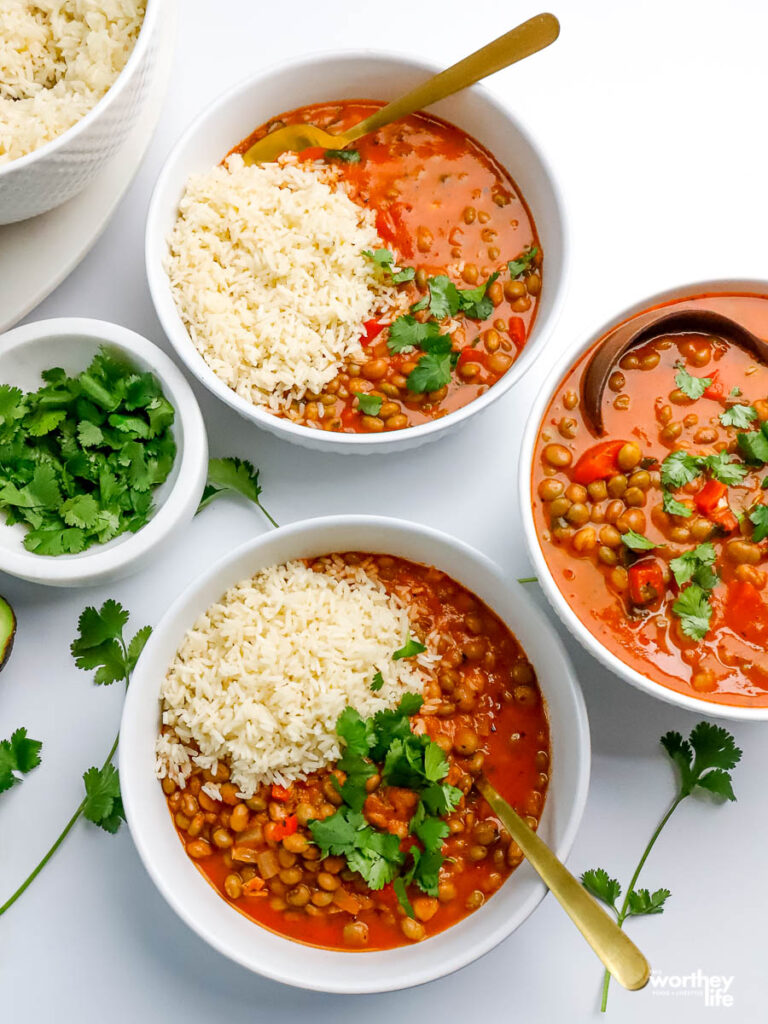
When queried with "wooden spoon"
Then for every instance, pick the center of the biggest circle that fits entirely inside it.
(533, 35)
(683, 319)
(615, 949)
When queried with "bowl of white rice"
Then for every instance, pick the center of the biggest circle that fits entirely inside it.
(74, 75)
(262, 276)
(260, 602)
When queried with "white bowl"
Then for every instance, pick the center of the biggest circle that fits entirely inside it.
(270, 954)
(71, 343)
(548, 584)
(55, 172)
(343, 75)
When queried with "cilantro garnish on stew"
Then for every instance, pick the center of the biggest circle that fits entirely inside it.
(704, 762)
(636, 541)
(673, 507)
(384, 744)
(82, 455)
(693, 387)
(759, 518)
(411, 649)
(739, 416)
(518, 266)
(346, 156)
(369, 405)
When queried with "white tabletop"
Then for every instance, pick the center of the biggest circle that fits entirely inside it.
(654, 116)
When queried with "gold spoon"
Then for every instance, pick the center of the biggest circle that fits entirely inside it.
(520, 42)
(618, 953)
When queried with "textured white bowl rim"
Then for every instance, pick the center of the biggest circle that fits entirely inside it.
(187, 352)
(192, 457)
(146, 32)
(131, 770)
(569, 618)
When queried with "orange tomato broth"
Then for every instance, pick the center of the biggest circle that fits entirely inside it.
(420, 174)
(730, 665)
(514, 740)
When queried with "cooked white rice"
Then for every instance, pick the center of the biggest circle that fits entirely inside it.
(261, 678)
(57, 59)
(267, 270)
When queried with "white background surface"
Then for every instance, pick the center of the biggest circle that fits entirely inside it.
(654, 116)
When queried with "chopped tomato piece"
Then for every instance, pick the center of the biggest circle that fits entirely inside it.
(724, 520)
(646, 581)
(281, 793)
(349, 417)
(709, 497)
(747, 613)
(597, 462)
(517, 331)
(254, 886)
(312, 153)
(372, 330)
(716, 389)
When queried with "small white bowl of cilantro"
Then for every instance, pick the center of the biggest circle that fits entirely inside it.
(104, 451)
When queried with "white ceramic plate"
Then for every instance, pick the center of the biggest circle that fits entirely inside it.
(36, 255)
(259, 949)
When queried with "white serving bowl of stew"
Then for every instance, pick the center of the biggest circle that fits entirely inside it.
(269, 953)
(588, 602)
(354, 75)
(71, 343)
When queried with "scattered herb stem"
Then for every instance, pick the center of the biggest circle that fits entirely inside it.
(704, 761)
(527, 579)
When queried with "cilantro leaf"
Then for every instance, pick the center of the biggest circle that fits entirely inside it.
(346, 156)
(678, 469)
(18, 756)
(402, 896)
(704, 759)
(406, 333)
(693, 609)
(754, 445)
(377, 682)
(692, 387)
(103, 805)
(722, 469)
(695, 565)
(673, 507)
(642, 902)
(444, 299)
(409, 650)
(738, 416)
(421, 304)
(432, 373)
(441, 798)
(599, 884)
(474, 302)
(369, 405)
(355, 732)
(80, 510)
(382, 257)
(636, 541)
(233, 476)
(519, 265)
(759, 517)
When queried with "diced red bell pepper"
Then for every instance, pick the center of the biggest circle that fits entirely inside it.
(283, 828)
(280, 793)
(716, 389)
(709, 497)
(312, 153)
(746, 613)
(646, 582)
(724, 520)
(471, 355)
(597, 462)
(372, 330)
(349, 416)
(517, 331)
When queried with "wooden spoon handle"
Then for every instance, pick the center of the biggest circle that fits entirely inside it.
(520, 42)
(614, 948)
(683, 319)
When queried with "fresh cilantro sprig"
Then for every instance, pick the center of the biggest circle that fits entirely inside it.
(384, 259)
(673, 507)
(233, 476)
(18, 756)
(100, 644)
(82, 455)
(692, 387)
(637, 542)
(696, 565)
(681, 468)
(759, 518)
(522, 263)
(754, 445)
(345, 156)
(704, 762)
(739, 416)
(384, 744)
(694, 610)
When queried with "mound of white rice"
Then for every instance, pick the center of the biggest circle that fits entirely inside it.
(262, 676)
(267, 269)
(57, 59)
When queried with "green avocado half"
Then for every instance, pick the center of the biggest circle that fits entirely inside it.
(7, 631)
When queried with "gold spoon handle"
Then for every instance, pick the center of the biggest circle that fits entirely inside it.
(528, 38)
(618, 953)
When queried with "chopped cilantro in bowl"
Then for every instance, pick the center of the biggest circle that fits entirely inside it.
(103, 451)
